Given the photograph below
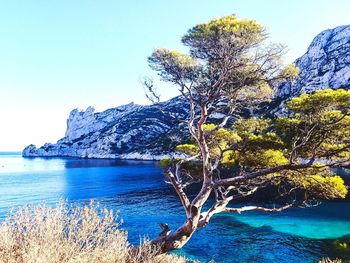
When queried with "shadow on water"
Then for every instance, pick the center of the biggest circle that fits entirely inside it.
(227, 239)
(89, 163)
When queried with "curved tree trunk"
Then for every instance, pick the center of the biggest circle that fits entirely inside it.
(180, 237)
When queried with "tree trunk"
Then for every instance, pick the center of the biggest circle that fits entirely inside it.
(182, 235)
(177, 239)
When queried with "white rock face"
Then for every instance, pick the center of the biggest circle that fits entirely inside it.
(127, 132)
(79, 123)
(326, 64)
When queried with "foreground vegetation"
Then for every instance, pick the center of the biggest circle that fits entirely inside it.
(66, 234)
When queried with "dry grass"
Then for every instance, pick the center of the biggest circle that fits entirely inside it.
(43, 234)
(328, 260)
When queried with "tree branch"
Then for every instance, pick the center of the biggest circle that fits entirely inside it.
(182, 195)
(250, 208)
(224, 121)
(244, 177)
(178, 166)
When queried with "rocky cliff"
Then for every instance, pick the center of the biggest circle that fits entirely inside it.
(127, 132)
(151, 132)
(326, 64)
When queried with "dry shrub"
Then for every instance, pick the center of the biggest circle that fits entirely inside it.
(45, 234)
(328, 260)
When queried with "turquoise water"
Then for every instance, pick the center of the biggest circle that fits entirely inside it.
(138, 191)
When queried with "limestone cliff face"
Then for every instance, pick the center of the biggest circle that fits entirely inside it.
(151, 132)
(326, 64)
(128, 132)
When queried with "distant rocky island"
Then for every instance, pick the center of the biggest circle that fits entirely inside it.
(151, 132)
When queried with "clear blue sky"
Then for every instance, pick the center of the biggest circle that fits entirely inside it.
(60, 55)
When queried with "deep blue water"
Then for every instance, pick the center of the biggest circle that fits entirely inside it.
(138, 191)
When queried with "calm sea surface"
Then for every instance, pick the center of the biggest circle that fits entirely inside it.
(138, 191)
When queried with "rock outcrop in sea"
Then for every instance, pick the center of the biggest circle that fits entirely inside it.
(151, 132)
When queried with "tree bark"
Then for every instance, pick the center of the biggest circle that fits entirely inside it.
(179, 238)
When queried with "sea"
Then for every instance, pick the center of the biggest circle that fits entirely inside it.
(137, 190)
